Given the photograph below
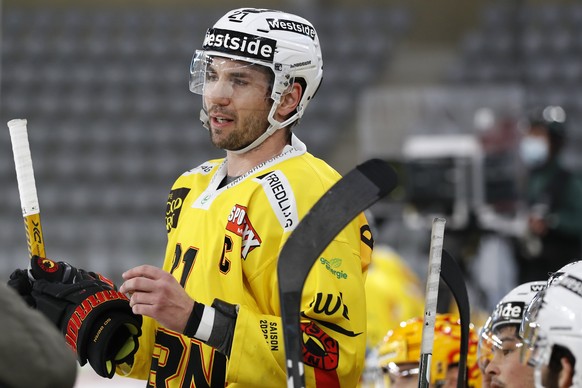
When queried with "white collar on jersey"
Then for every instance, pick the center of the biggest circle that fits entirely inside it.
(296, 148)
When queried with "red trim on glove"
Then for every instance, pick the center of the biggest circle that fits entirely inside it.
(83, 310)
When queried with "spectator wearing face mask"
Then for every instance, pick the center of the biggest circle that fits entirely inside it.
(554, 226)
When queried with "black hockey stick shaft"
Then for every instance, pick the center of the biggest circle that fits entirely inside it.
(452, 275)
(351, 195)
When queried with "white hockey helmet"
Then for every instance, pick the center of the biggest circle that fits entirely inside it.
(554, 320)
(573, 266)
(508, 311)
(285, 43)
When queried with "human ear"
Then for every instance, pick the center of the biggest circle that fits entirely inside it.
(566, 373)
(290, 100)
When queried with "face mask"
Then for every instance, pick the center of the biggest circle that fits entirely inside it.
(533, 151)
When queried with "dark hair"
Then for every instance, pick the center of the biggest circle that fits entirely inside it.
(555, 364)
(303, 84)
(556, 129)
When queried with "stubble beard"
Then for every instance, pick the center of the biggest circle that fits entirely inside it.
(243, 134)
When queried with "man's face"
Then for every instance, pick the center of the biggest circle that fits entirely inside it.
(540, 132)
(451, 377)
(505, 368)
(236, 97)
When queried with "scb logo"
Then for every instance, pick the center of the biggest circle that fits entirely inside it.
(174, 206)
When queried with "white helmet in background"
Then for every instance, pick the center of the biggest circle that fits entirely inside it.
(509, 311)
(573, 266)
(553, 323)
(286, 44)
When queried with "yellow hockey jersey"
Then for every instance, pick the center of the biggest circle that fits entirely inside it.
(224, 242)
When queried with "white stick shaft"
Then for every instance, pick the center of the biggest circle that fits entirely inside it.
(432, 284)
(23, 163)
(431, 297)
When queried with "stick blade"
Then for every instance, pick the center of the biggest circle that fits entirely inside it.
(351, 195)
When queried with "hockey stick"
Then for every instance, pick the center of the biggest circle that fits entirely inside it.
(350, 196)
(453, 277)
(431, 296)
(26, 187)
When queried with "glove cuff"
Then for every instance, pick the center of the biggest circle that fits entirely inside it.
(88, 310)
(113, 339)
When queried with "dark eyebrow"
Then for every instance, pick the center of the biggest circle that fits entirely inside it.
(240, 74)
(511, 338)
(235, 73)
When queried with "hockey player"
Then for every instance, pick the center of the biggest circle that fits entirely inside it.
(399, 354)
(211, 314)
(394, 293)
(552, 330)
(500, 343)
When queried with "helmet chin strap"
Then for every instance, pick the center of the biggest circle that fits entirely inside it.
(274, 125)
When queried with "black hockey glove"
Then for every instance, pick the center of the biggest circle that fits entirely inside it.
(20, 281)
(94, 317)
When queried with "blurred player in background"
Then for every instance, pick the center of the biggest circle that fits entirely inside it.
(394, 293)
(211, 315)
(399, 355)
(554, 229)
(500, 343)
(552, 331)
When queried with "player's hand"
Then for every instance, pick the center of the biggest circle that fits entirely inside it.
(52, 271)
(157, 294)
(94, 317)
(63, 272)
(40, 268)
(20, 281)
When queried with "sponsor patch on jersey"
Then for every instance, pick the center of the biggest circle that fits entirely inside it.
(323, 306)
(291, 26)
(329, 304)
(319, 349)
(240, 44)
(174, 206)
(270, 330)
(281, 198)
(332, 266)
(238, 223)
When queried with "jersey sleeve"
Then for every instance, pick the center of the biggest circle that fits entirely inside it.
(333, 319)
